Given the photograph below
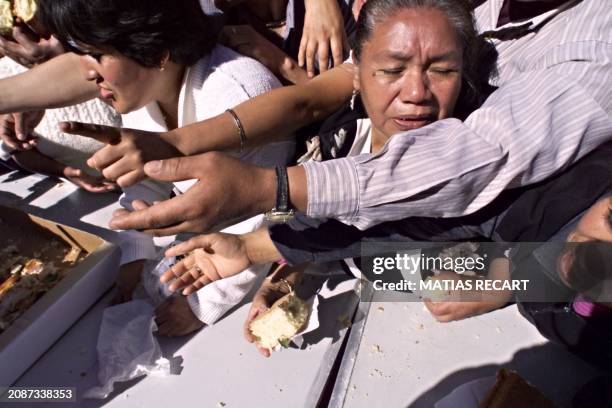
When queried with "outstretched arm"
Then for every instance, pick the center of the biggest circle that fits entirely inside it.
(56, 83)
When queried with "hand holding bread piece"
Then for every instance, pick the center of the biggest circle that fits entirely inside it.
(281, 322)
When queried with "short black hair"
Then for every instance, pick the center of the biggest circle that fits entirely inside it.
(142, 30)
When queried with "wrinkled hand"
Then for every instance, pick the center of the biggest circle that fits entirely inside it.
(127, 150)
(323, 33)
(127, 280)
(211, 257)
(28, 48)
(175, 318)
(89, 183)
(17, 129)
(228, 190)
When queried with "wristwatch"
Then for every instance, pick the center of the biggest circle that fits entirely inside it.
(281, 211)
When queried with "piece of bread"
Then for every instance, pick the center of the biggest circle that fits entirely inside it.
(281, 322)
(24, 9)
(511, 391)
(6, 17)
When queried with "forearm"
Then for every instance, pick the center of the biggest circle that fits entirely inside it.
(37, 162)
(306, 239)
(56, 83)
(268, 117)
(526, 131)
(260, 248)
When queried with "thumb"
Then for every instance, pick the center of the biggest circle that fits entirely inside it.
(72, 172)
(200, 241)
(177, 169)
(104, 134)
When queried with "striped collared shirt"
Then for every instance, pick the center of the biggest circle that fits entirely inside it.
(553, 105)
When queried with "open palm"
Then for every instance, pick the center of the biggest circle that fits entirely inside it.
(209, 258)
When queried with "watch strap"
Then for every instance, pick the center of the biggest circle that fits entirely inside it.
(282, 190)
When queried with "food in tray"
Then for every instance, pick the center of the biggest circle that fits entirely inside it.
(281, 322)
(511, 390)
(25, 279)
(6, 17)
(24, 9)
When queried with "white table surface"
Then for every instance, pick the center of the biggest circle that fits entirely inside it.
(219, 368)
(405, 358)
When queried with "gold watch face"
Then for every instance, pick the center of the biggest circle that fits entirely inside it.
(279, 216)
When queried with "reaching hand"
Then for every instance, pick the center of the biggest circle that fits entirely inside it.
(89, 183)
(127, 150)
(175, 318)
(127, 280)
(211, 257)
(272, 289)
(247, 41)
(228, 190)
(16, 129)
(323, 32)
(461, 304)
(28, 48)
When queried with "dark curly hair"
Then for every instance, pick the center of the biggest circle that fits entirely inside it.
(143, 30)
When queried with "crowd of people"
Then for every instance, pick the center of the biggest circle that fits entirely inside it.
(289, 133)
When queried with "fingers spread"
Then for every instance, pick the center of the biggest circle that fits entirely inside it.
(175, 271)
(201, 241)
(337, 51)
(323, 54)
(310, 59)
(104, 134)
(103, 158)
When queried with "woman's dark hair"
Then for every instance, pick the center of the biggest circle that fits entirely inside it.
(458, 12)
(592, 265)
(143, 30)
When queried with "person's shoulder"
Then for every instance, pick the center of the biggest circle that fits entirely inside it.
(246, 72)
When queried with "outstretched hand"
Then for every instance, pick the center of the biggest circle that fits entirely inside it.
(323, 36)
(209, 258)
(89, 183)
(17, 129)
(28, 45)
(227, 191)
(126, 151)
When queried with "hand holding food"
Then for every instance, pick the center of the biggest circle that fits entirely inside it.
(280, 323)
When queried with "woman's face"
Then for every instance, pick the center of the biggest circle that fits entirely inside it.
(409, 74)
(124, 84)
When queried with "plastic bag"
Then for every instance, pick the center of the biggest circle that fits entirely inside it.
(127, 347)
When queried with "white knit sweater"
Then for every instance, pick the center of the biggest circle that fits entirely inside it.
(219, 81)
(67, 149)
